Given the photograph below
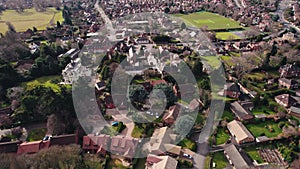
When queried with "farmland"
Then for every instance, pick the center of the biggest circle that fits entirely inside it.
(30, 18)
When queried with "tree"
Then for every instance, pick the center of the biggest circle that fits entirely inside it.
(137, 93)
(183, 25)
(184, 124)
(168, 90)
(167, 10)
(58, 25)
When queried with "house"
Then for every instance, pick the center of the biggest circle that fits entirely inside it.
(239, 132)
(289, 70)
(9, 147)
(297, 92)
(241, 110)
(195, 104)
(294, 111)
(160, 162)
(171, 115)
(96, 143)
(186, 91)
(160, 140)
(285, 100)
(237, 157)
(6, 110)
(232, 90)
(124, 146)
(33, 147)
(143, 40)
(100, 85)
(288, 83)
(62, 140)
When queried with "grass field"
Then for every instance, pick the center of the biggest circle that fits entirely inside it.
(227, 36)
(29, 18)
(268, 128)
(45, 81)
(211, 20)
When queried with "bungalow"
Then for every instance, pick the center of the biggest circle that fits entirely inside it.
(285, 100)
(237, 158)
(240, 132)
(96, 143)
(294, 111)
(171, 115)
(160, 162)
(288, 83)
(289, 70)
(241, 110)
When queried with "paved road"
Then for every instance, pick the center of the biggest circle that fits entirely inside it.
(238, 3)
(108, 23)
(283, 5)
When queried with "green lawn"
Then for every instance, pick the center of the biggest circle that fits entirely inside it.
(137, 132)
(207, 162)
(29, 18)
(221, 136)
(36, 134)
(253, 153)
(227, 36)
(264, 128)
(262, 109)
(213, 61)
(228, 115)
(211, 20)
(188, 144)
(220, 160)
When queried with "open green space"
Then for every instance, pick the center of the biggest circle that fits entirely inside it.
(267, 128)
(220, 160)
(221, 136)
(36, 134)
(262, 109)
(213, 61)
(227, 36)
(30, 18)
(253, 154)
(47, 81)
(210, 20)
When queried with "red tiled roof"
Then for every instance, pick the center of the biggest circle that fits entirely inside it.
(32, 147)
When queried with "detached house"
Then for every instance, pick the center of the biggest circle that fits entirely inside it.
(171, 115)
(288, 83)
(160, 162)
(289, 70)
(285, 100)
(242, 110)
(232, 90)
(240, 132)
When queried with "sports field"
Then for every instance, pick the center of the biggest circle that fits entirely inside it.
(227, 36)
(30, 18)
(211, 20)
